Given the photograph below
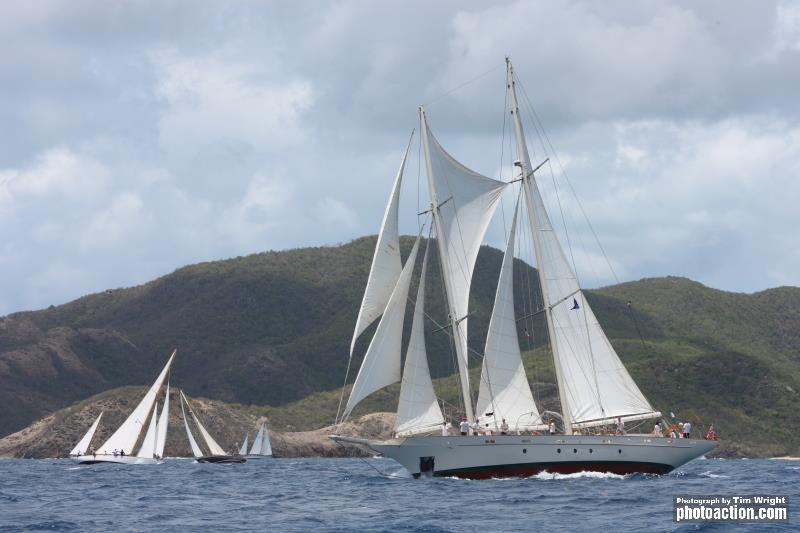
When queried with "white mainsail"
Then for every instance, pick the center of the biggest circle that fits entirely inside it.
(83, 445)
(258, 441)
(386, 264)
(418, 410)
(163, 424)
(213, 447)
(463, 204)
(595, 387)
(193, 443)
(148, 447)
(504, 390)
(381, 364)
(266, 446)
(125, 437)
(243, 449)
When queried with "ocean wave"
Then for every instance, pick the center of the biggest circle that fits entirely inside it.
(578, 475)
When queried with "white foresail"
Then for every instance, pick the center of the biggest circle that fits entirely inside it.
(464, 202)
(196, 451)
(148, 447)
(83, 445)
(504, 390)
(381, 364)
(386, 264)
(418, 410)
(266, 447)
(125, 437)
(243, 449)
(163, 424)
(258, 441)
(213, 447)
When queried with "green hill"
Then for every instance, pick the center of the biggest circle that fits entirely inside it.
(273, 330)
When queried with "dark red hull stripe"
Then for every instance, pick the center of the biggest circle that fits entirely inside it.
(573, 467)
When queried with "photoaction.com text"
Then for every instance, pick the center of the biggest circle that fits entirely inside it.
(754, 508)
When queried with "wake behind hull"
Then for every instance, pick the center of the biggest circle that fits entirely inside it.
(478, 457)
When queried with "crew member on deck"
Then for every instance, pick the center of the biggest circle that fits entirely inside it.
(476, 428)
(464, 427)
(552, 427)
(504, 427)
(687, 429)
(657, 430)
(445, 429)
(487, 431)
(620, 426)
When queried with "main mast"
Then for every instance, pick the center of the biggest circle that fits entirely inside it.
(463, 369)
(528, 180)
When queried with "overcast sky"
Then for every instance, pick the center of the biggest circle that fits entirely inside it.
(138, 137)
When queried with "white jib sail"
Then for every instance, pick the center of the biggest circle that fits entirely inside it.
(266, 447)
(83, 445)
(504, 390)
(163, 424)
(258, 441)
(125, 437)
(196, 451)
(597, 385)
(213, 447)
(148, 447)
(465, 202)
(386, 264)
(243, 449)
(418, 411)
(381, 364)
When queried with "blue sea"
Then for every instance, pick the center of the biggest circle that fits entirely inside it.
(352, 494)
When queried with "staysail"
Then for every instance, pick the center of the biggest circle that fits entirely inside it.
(193, 443)
(418, 410)
(148, 447)
(266, 447)
(243, 449)
(163, 424)
(381, 364)
(504, 390)
(463, 204)
(386, 264)
(125, 437)
(83, 445)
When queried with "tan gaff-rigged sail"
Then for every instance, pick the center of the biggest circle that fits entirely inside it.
(196, 451)
(386, 264)
(148, 447)
(418, 410)
(598, 387)
(504, 390)
(381, 364)
(83, 445)
(125, 437)
(464, 202)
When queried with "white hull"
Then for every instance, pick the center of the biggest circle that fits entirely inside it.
(123, 460)
(519, 456)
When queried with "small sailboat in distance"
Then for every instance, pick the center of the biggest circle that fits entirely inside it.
(217, 453)
(261, 445)
(119, 447)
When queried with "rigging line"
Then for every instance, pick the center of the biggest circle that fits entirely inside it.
(419, 178)
(572, 188)
(468, 82)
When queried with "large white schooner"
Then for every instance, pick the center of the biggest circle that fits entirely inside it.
(594, 387)
(119, 448)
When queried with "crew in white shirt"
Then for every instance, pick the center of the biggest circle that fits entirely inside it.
(657, 430)
(476, 428)
(504, 427)
(487, 431)
(445, 429)
(687, 430)
(464, 426)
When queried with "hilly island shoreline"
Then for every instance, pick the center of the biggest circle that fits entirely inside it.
(266, 336)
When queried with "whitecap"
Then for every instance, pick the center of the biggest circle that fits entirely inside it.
(578, 475)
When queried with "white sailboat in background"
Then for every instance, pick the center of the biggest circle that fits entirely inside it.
(119, 448)
(261, 445)
(217, 453)
(595, 389)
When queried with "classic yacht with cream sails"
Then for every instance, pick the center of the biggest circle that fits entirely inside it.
(595, 389)
(261, 446)
(119, 447)
(217, 453)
